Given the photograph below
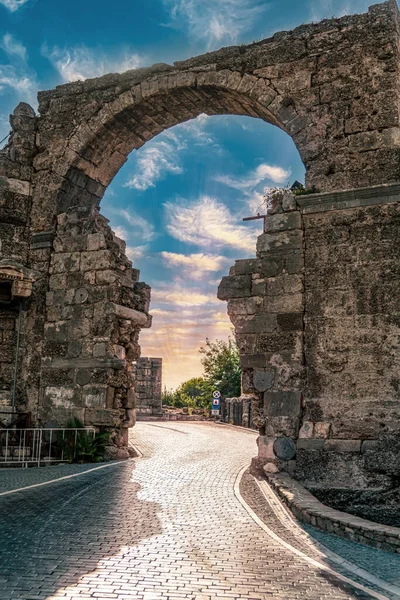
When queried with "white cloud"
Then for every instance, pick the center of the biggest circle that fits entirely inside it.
(161, 157)
(120, 232)
(261, 174)
(215, 22)
(16, 76)
(4, 129)
(256, 203)
(79, 63)
(154, 162)
(140, 229)
(21, 82)
(194, 266)
(208, 223)
(181, 296)
(135, 252)
(13, 5)
(13, 47)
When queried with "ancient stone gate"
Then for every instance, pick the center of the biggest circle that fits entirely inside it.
(334, 88)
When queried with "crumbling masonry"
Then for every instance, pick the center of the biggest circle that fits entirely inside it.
(316, 313)
(148, 387)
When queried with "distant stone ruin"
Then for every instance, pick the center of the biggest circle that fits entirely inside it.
(148, 385)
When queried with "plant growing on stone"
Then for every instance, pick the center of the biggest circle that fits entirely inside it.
(85, 448)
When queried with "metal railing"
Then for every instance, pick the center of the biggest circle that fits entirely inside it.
(43, 446)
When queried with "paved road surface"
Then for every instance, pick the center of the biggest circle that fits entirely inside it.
(167, 525)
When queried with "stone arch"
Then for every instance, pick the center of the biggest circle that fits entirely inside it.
(332, 86)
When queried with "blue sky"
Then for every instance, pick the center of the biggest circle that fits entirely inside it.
(179, 201)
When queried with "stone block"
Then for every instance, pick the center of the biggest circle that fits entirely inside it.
(99, 349)
(266, 447)
(62, 396)
(306, 430)
(272, 265)
(237, 286)
(247, 267)
(282, 242)
(310, 444)
(253, 361)
(263, 380)
(119, 352)
(106, 277)
(282, 222)
(369, 445)
(97, 260)
(284, 284)
(281, 426)
(102, 417)
(255, 323)
(322, 429)
(285, 404)
(96, 241)
(56, 332)
(343, 445)
(65, 262)
(83, 376)
(285, 303)
(94, 396)
(79, 328)
(131, 400)
(245, 306)
(288, 202)
(270, 468)
(290, 321)
(259, 287)
(294, 263)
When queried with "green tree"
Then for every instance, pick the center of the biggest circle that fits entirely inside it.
(194, 393)
(221, 363)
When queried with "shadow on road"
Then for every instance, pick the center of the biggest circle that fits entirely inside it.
(350, 590)
(53, 535)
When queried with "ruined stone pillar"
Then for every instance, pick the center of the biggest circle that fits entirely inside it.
(266, 306)
(148, 377)
(15, 205)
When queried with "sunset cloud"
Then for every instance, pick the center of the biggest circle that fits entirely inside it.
(194, 265)
(177, 335)
(261, 174)
(208, 223)
(182, 296)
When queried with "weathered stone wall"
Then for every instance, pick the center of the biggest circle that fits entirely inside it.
(317, 324)
(243, 411)
(15, 205)
(148, 386)
(333, 87)
(266, 306)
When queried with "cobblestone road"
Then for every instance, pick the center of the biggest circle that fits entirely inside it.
(165, 526)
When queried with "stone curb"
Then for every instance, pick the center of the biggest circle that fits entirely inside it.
(308, 509)
(303, 556)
